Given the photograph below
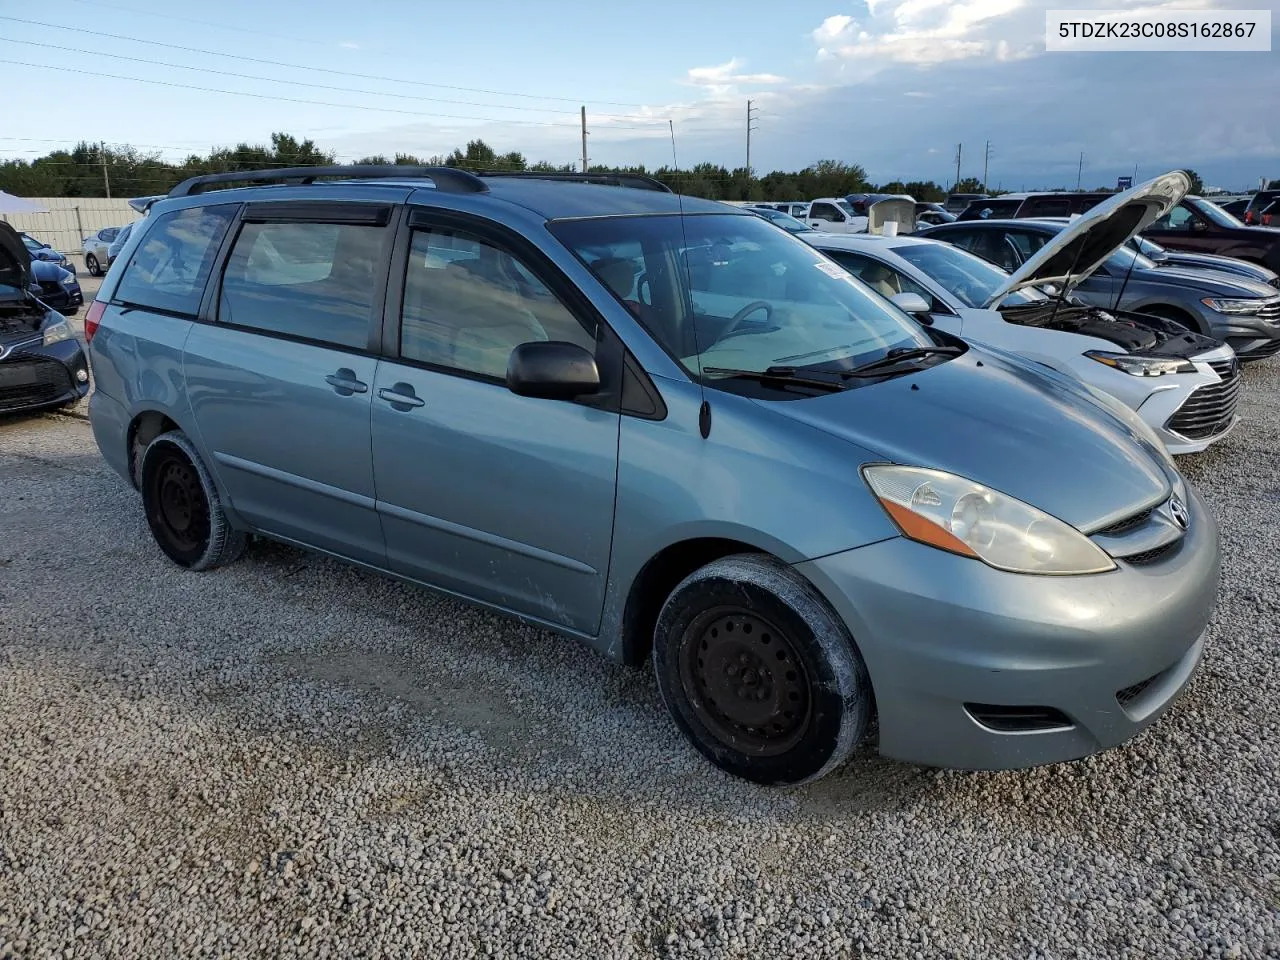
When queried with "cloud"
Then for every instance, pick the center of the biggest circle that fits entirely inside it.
(920, 32)
(726, 76)
(350, 45)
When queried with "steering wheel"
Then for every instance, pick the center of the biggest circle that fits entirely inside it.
(736, 320)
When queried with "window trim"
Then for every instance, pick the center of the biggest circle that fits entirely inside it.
(610, 353)
(314, 210)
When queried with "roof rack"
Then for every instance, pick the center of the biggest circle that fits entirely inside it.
(446, 179)
(637, 180)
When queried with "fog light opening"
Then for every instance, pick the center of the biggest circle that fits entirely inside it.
(82, 375)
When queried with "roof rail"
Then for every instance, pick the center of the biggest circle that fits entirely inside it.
(637, 180)
(446, 179)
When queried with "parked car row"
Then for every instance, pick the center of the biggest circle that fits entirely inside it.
(41, 363)
(673, 431)
(102, 248)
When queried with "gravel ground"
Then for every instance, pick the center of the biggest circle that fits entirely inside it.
(289, 757)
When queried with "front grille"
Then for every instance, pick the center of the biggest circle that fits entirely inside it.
(1226, 369)
(1125, 525)
(1006, 719)
(1269, 348)
(1270, 311)
(29, 382)
(50, 286)
(1274, 281)
(1152, 555)
(1210, 409)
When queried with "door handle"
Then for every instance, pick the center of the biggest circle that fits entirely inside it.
(401, 397)
(344, 382)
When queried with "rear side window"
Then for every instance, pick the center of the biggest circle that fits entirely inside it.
(1048, 207)
(310, 281)
(171, 265)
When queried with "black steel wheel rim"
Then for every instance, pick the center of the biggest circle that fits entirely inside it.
(745, 682)
(180, 504)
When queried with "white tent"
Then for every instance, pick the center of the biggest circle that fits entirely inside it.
(11, 204)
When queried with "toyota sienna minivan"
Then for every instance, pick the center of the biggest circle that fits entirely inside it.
(669, 430)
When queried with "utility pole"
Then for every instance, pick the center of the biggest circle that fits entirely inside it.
(1080, 170)
(584, 139)
(986, 162)
(751, 118)
(959, 148)
(106, 180)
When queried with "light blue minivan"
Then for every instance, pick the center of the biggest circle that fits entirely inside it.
(662, 427)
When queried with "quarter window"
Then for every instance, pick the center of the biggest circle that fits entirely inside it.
(171, 265)
(468, 304)
(313, 281)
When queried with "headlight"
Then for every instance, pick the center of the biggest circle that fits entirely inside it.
(57, 331)
(1141, 366)
(1239, 308)
(963, 517)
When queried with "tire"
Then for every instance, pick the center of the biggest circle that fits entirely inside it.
(91, 264)
(794, 696)
(183, 508)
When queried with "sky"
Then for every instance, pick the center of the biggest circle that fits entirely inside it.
(893, 85)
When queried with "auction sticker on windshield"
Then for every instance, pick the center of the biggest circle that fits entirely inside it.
(832, 270)
(1120, 31)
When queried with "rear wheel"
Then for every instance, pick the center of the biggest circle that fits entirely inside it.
(91, 264)
(759, 673)
(182, 506)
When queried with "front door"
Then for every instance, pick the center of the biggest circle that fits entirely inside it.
(281, 384)
(502, 498)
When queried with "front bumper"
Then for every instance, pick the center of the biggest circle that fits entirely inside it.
(37, 377)
(1108, 652)
(1251, 337)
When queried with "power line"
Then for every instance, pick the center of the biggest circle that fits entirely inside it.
(294, 83)
(317, 103)
(298, 66)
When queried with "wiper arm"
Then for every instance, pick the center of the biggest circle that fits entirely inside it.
(782, 375)
(896, 356)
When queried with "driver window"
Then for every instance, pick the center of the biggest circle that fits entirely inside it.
(825, 211)
(468, 304)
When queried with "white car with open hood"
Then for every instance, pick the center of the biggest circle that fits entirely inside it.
(1182, 384)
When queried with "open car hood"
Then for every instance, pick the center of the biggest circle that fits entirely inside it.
(15, 261)
(1087, 240)
(902, 210)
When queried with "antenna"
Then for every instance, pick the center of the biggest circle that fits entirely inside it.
(686, 302)
(1080, 170)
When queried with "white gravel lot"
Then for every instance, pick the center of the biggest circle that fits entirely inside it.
(289, 757)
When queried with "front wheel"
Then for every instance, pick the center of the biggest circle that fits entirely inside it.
(183, 508)
(91, 264)
(759, 673)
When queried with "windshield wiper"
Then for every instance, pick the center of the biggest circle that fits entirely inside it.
(781, 375)
(898, 355)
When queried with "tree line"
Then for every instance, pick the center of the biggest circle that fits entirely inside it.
(90, 170)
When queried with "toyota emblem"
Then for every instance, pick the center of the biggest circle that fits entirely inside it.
(1179, 510)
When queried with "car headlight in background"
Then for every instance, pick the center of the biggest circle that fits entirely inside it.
(1142, 366)
(966, 518)
(57, 331)
(68, 277)
(1237, 308)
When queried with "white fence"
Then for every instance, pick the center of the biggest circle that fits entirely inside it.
(71, 219)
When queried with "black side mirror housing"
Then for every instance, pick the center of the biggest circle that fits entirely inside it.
(552, 370)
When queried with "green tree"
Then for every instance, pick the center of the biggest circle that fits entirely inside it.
(1273, 184)
(968, 185)
(1197, 185)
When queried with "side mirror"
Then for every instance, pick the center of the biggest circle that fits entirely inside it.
(910, 302)
(552, 370)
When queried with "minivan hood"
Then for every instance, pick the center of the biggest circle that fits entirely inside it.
(1087, 240)
(999, 423)
(15, 262)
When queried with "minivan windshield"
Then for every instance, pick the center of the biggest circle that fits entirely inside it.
(970, 279)
(732, 292)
